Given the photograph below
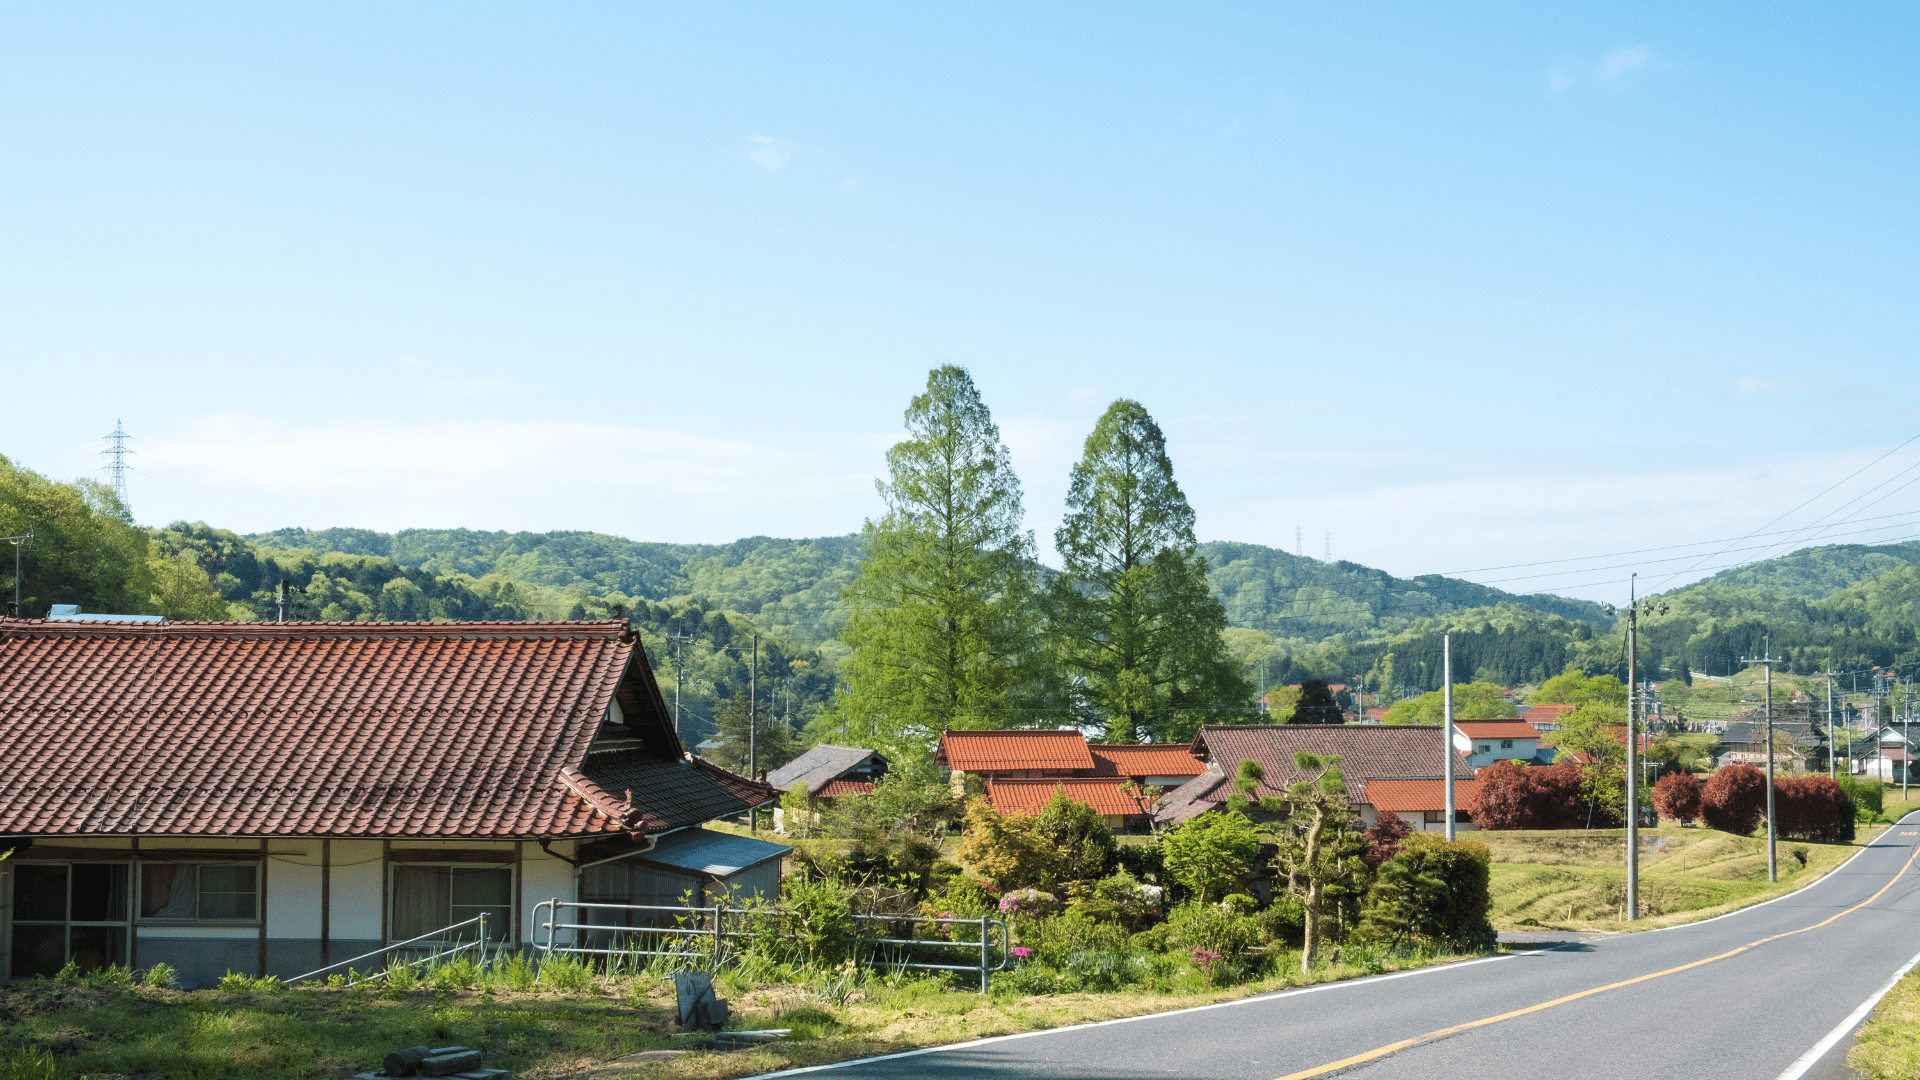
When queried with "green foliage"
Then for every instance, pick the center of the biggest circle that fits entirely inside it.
(1054, 940)
(1120, 899)
(1135, 628)
(1007, 848)
(29, 1063)
(1869, 796)
(1210, 854)
(1471, 701)
(1574, 688)
(769, 742)
(1082, 840)
(818, 913)
(1315, 705)
(1433, 891)
(564, 973)
(943, 623)
(1212, 927)
(161, 976)
(85, 548)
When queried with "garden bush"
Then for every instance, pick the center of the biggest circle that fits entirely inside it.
(1869, 796)
(1122, 899)
(1054, 940)
(818, 913)
(1812, 808)
(1677, 797)
(1082, 841)
(1284, 921)
(1006, 848)
(1210, 854)
(1433, 891)
(1529, 797)
(1734, 799)
(1212, 927)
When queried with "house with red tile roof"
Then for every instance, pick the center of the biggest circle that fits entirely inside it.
(273, 798)
(1367, 752)
(1487, 741)
(1105, 777)
(1421, 801)
(1546, 717)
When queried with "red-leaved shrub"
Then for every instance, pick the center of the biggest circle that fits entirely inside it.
(1677, 797)
(1385, 837)
(1734, 799)
(1812, 808)
(1534, 797)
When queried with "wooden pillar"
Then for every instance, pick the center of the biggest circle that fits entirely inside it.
(263, 909)
(133, 905)
(386, 852)
(326, 903)
(519, 914)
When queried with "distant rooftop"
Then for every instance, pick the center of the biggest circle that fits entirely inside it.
(72, 613)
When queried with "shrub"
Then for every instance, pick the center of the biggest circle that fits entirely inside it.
(1211, 853)
(819, 915)
(1521, 797)
(1869, 796)
(1054, 940)
(1677, 797)
(963, 897)
(1081, 839)
(564, 973)
(235, 983)
(1734, 799)
(161, 976)
(1122, 899)
(1099, 971)
(1433, 891)
(1812, 808)
(1285, 920)
(1384, 838)
(1211, 927)
(1007, 848)
(1028, 904)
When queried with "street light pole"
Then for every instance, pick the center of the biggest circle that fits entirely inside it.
(1446, 748)
(17, 542)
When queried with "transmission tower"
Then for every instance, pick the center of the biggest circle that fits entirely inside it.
(1329, 546)
(116, 455)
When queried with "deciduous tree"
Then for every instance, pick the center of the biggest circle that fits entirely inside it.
(1734, 799)
(1471, 701)
(1134, 624)
(1677, 797)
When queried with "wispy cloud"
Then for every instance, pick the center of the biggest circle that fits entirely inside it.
(768, 152)
(1621, 61)
(1749, 387)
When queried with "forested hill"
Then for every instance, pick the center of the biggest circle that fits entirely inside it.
(1292, 596)
(793, 586)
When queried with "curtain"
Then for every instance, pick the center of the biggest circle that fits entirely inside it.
(167, 891)
(422, 900)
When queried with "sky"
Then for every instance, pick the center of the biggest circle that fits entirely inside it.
(1432, 288)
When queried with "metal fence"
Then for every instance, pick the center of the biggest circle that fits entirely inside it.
(428, 942)
(682, 926)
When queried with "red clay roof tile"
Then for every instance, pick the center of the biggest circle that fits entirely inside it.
(1031, 796)
(1013, 751)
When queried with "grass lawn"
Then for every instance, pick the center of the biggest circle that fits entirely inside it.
(1575, 880)
(1888, 1047)
(53, 1030)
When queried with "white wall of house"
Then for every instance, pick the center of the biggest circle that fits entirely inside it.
(543, 877)
(1418, 820)
(1484, 752)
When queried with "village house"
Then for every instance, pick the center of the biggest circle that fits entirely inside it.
(274, 798)
(1546, 717)
(1487, 741)
(1798, 744)
(1368, 752)
(826, 773)
(1420, 801)
(1019, 770)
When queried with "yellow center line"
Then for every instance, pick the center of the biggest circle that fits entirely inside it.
(1405, 1044)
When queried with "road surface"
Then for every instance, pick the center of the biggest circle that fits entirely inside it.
(1749, 996)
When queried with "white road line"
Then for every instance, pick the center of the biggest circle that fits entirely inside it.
(1456, 966)
(1800, 1066)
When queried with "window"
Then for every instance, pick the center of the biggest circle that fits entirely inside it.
(1485, 749)
(434, 897)
(1506, 744)
(68, 912)
(202, 892)
(1435, 817)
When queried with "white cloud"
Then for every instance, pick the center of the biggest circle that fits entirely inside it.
(1621, 61)
(1749, 387)
(768, 152)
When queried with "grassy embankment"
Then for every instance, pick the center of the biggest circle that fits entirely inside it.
(597, 1028)
(1577, 880)
(1888, 1047)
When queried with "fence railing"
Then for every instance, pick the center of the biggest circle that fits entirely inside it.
(690, 924)
(429, 940)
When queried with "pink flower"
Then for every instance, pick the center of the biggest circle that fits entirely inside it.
(1022, 951)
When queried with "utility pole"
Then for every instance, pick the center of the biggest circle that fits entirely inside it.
(17, 542)
(753, 728)
(280, 614)
(1773, 869)
(1446, 727)
(1832, 744)
(679, 678)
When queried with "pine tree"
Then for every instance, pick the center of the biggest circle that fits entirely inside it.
(944, 615)
(1134, 624)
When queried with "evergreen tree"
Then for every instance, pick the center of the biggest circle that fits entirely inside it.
(1134, 624)
(772, 741)
(943, 620)
(1317, 705)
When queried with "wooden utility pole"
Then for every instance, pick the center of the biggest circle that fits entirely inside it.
(1633, 749)
(753, 728)
(1446, 727)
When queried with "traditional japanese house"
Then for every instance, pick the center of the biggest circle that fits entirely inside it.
(273, 798)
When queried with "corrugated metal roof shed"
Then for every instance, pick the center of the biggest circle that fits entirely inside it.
(707, 852)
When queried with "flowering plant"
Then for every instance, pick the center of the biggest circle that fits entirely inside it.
(1029, 903)
(1021, 952)
(1212, 964)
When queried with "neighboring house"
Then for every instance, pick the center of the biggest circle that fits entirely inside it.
(1887, 754)
(1421, 801)
(1110, 800)
(1487, 741)
(272, 798)
(1105, 777)
(1546, 717)
(1367, 751)
(1744, 742)
(826, 773)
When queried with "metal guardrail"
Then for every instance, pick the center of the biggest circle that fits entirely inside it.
(479, 944)
(711, 923)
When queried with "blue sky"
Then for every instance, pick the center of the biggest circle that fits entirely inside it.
(1463, 286)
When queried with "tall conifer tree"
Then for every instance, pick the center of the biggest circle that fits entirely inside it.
(1134, 625)
(944, 622)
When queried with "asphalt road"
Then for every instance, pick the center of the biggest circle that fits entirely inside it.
(1750, 1015)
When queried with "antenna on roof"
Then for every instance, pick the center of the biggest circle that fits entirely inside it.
(116, 455)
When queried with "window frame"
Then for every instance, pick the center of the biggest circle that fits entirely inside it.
(494, 936)
(67, 922)
(139, 895)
